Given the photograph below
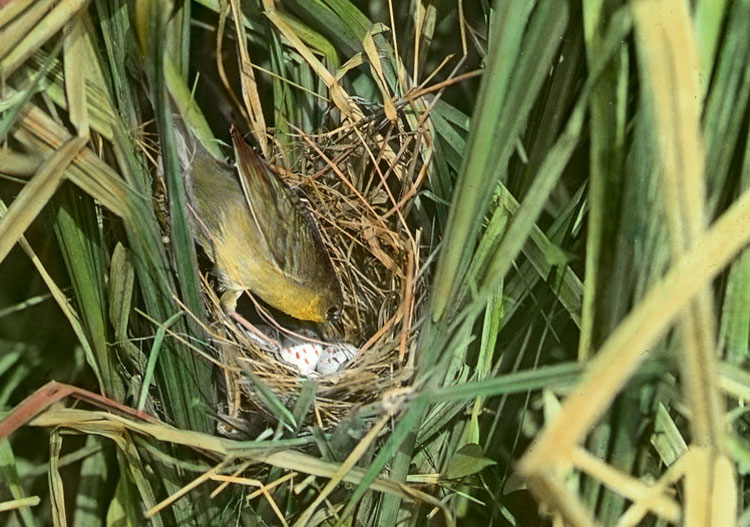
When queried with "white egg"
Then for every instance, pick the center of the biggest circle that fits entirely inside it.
(334, 356)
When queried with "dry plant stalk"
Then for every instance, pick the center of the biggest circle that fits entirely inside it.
(233, 456)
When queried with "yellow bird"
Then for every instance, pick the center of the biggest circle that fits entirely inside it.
(259, 235)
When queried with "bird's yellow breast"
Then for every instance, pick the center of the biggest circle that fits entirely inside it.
(244, 265)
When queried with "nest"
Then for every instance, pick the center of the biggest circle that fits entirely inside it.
(360, 184)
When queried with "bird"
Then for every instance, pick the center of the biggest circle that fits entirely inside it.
(258, 233)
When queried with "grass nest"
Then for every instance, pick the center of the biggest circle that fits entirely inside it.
(360, 183)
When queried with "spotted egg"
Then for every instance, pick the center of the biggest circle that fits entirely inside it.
(334, 357)
(302, 356)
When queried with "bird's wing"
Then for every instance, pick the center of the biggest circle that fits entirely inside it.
(286, 227)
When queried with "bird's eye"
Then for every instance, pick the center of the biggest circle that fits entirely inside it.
(333, 313)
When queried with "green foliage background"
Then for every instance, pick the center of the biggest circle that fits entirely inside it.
(545, 202)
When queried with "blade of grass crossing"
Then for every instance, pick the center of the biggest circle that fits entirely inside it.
(91, 497)
(55, 481)
(286, 105)
(177, 32)
(13, 9)
(77, 228)
(9, 472)
(42, 32)
(472, 196)
(549, 171)
(35, 195)
(62, 301)
(181, 237)
(490, 330)
(343, 37)
(148, 375)
(477, 174)
(119, 44)
(181, 374)
(708, 17)
(606, 158)
(75, 75)
(735, 319)
(35, 85)
(726, 104)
